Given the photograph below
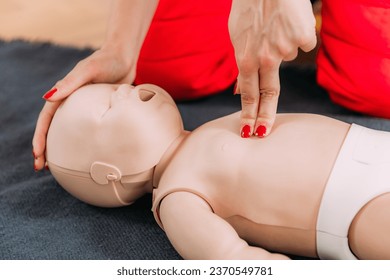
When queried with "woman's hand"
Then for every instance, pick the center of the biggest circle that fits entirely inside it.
(264, 33)
(104, 65)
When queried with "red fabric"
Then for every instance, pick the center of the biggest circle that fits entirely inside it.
(354, 58)
(187, 50)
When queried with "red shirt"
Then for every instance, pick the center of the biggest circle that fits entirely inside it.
(354, 59)
(187, 50)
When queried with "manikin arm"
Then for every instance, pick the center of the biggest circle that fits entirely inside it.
(197, 233)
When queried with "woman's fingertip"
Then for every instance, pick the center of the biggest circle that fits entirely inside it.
(261, 131)
(35, 167)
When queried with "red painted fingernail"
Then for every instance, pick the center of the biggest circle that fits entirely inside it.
(47, 166)
(261, 131)
(246, 131)
(35, 168)
(50, 93)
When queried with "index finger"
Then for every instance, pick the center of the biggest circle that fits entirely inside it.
(269, 97)
(80, 75)
(249, 91)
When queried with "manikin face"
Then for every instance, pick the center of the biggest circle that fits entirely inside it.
(112, 133)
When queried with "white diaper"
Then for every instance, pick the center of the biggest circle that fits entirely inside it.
(361, 173)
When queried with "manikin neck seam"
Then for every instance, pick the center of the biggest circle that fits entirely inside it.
(167, 155)
(84, 174)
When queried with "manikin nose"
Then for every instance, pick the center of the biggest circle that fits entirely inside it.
(142, 93)
(145, 94)
(125, 89)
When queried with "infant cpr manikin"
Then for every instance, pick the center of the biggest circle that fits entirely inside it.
(217, 195)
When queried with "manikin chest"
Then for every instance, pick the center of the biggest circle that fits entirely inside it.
(245, 177)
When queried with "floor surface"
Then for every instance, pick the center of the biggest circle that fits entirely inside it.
(67, 22)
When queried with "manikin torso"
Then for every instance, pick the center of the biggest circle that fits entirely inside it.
(268, 189)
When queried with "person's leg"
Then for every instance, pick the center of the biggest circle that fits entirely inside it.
(369, 234)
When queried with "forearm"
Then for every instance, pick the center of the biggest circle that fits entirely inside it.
(128, 25)
(247, 252)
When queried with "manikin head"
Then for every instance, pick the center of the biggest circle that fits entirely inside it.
(105, 140)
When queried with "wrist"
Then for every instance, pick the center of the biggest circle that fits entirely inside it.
(127, 27)
(122, 50)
